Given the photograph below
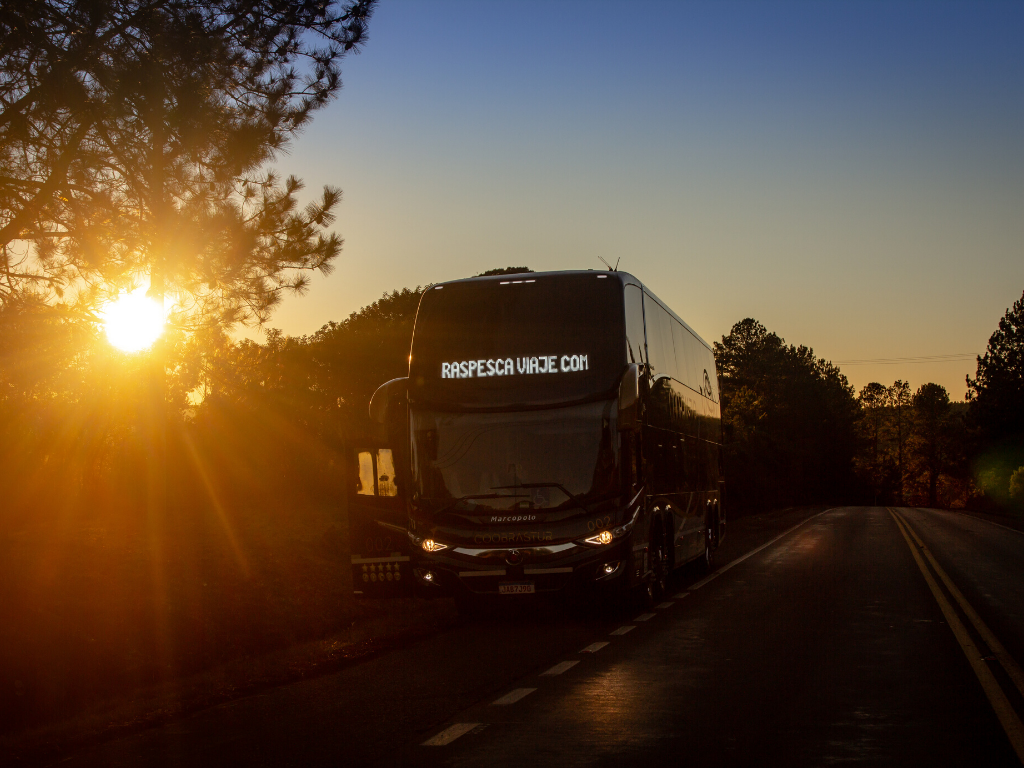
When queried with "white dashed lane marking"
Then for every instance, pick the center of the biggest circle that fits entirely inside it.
(512, 697)
(450, 734)
(560, 667)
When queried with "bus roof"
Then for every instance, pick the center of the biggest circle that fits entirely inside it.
(624, 278)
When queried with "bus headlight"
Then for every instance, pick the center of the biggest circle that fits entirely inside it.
(604, 537)
(429, 545)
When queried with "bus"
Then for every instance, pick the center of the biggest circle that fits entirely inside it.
(557, 432)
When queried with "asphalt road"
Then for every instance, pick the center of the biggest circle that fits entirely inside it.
(822, 638)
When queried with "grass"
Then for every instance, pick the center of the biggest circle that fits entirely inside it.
(377, 626)
(112, 619)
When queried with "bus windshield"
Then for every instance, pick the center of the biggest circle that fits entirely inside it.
(555, 458)
(518, 341)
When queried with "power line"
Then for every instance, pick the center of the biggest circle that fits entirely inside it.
(954, 358)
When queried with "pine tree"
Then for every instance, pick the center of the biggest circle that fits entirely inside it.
(134, 136)
(996, 401)
(789, 420)
(996, 393)
(898, 399)
(929, 444)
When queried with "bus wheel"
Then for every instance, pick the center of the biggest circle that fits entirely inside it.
(707, 562)
(659, 562)
(651, 591)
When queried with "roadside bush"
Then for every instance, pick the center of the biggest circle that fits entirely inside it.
(1017, 488)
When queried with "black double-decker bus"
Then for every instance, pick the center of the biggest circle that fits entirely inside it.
(557, 431)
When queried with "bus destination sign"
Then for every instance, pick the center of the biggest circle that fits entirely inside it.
(471, 369)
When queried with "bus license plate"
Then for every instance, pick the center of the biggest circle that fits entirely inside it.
(518, 588)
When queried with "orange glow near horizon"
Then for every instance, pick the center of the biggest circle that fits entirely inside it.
(133, 321)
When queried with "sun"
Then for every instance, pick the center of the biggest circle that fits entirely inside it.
(133, 321)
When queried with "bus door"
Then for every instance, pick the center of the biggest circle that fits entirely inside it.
(377, 528)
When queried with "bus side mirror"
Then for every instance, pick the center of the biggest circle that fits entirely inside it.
(629, 399)
(386, 394)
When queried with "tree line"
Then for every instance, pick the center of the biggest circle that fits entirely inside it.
(795, 431)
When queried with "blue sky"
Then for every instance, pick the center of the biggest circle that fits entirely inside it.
(849, 174)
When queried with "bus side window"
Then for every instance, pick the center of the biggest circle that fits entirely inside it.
(366, 474)
(712, 373)
(635, 345)
(660, 347)
(386, 473)
(685, 348)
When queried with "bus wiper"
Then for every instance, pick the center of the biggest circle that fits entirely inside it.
(446, 507)
(573, 497)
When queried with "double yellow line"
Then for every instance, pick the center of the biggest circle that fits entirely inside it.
(1008, 717)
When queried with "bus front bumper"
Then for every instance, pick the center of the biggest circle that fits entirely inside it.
(530, 570)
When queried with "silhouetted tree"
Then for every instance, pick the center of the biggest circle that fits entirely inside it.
(132, 137)
(872, 462)
(789, 420)
(959, 487)
(931, 435)
(898, 399)
(354, 357)
(996, 398)
(505, 271)
(913, 449)
(996, 393)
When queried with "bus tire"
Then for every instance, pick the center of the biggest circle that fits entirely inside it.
(659, 560)
(707, 560)
(647, 595)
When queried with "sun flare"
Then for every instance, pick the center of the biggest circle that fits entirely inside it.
(133, 321)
